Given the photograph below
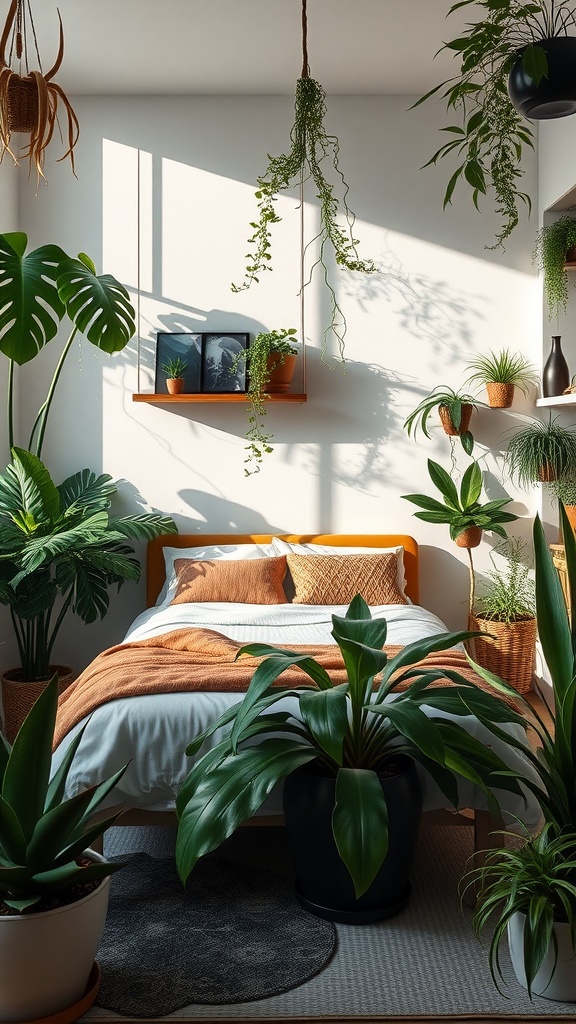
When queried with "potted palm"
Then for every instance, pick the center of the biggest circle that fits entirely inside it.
(345, 752)
(454, 409)
(61, 549)
(556, 246)
(53, 888)
(500, 373)
(505, 618)
(460, 509)
(515, 62)
(540, 452)
(270, 360)
(174, 370)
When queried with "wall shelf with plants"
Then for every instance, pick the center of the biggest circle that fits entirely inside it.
(161, 399)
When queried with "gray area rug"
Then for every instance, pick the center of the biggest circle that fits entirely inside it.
(424, 963)
(233, 935)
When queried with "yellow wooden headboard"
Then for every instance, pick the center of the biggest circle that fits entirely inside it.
(155, 572)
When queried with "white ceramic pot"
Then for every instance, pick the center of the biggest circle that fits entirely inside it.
(553, 983)
(46, 958)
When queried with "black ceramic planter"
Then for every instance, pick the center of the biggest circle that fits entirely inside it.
(323, 884)
(555, 95)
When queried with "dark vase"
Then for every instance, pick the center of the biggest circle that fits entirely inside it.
(555, 94)
(555, 375)
(323, 884)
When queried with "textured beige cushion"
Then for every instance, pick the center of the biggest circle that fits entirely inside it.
(336, 579)
(241, 581)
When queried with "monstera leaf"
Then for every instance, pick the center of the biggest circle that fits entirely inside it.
(31, 309)
(99, 306)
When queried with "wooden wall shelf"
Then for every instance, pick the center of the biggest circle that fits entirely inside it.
(234, 399)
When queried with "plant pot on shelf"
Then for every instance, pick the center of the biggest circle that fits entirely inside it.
(18, 696)
(323, 885)
(553, 982)
(555, 95)
(500, 396)
(175, 385)
(47, 964)
(281, 373)
(448, 424)
(469, 538)
(509, 652)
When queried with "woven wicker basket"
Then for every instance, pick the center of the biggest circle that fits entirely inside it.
(22, 104)
(500, 396)
(19, 696)
(446, 420)
(511, 654)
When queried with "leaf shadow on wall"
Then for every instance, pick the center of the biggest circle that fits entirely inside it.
(231, 517)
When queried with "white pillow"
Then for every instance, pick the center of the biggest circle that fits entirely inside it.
(206, 552)
(285, 547)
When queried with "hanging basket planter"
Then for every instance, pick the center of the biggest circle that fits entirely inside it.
(555, 94)
(469, 538)
(22, 105)
(448, 423)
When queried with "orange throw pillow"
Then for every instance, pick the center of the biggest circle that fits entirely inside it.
(241, 581)
(336, 579)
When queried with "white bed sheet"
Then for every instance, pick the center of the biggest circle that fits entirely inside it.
(153, 731)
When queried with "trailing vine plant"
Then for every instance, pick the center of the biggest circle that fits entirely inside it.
(311, 146)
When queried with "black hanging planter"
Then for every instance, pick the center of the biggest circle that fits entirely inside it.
(555, 94)
(323, 885)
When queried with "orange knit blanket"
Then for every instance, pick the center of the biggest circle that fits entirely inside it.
(195, 659)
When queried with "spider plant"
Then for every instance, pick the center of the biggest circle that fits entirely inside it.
(503, 367)
(542, 451)
(453, 407)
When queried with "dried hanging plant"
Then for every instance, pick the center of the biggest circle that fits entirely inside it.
(29, 99)
(311, 145)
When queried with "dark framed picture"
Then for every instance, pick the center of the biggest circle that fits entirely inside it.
(219, 373)
(179, 346)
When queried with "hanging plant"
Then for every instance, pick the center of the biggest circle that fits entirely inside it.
(553, 245)
(29, 99)
(490, 139)
(311, 147)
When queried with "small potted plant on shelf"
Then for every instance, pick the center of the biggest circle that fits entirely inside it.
(454, 409)
(53, 888)
(540, 452)
(500, 373)
(528, 892)
(270, 361)
(564, 490)
(556, 246)
(174, 370)
(352, 800)
(505, 613)
(461, 509)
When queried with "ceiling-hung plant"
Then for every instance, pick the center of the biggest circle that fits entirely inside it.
(527, 40)
(555, 246)
(500, 373)
(540, 452)
(270, 360)
(454, 409)
(345, 753)
(311, 148)
(29, 98)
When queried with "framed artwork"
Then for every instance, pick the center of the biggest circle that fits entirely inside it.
(184, 346)
(218, 352)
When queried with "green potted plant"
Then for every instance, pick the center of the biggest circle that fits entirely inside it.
(540, 452)
(509, 45)
(53, 888)
(174, 370)
(528, 893)
(500, 373)
(505, 614)
(564, 490)
(552, 251)
(270, 360)
(454, 409)
(460, 509)
(61, 549)
(351, 797)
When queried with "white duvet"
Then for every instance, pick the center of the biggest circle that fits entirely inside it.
(152, 731)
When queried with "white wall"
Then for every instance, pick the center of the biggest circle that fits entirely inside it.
(342, 461)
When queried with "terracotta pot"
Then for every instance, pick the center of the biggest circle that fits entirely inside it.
(447, 423)
(47, 958)
(500, 396)
(18, 696)
(547, 474)
(469, 538)
(281, 374)
(175, 385)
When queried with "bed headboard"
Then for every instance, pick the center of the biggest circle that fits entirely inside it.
(155, 573)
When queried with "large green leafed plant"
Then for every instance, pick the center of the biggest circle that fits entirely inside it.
(352, 730)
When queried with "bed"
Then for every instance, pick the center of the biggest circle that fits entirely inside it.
(152, 730)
